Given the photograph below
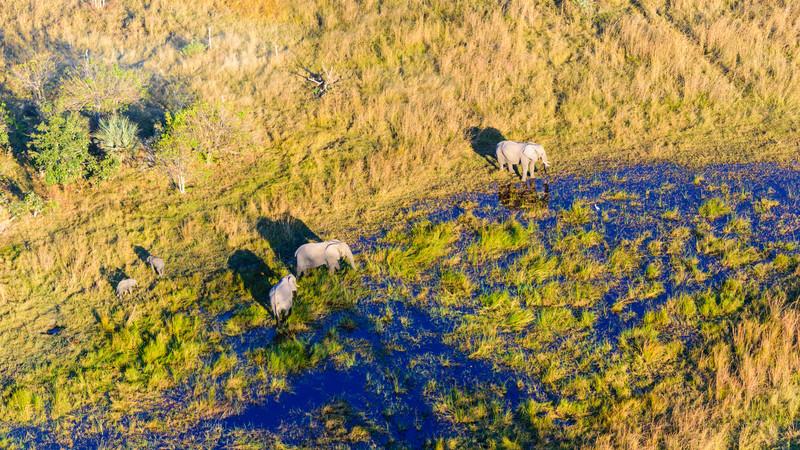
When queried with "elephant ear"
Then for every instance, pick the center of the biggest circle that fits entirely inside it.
(333, 249)
(531, 151)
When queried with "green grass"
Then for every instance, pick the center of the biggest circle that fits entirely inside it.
(342, 166)
(765, 205)
(455, 288)
(427, 243)
(714, 208)
(579, 214)
(497, 239)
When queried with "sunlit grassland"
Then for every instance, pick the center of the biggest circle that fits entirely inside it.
(355, 152)
(613, 83)
(426, 244)
(114, 359)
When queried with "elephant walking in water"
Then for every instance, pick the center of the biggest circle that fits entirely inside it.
(524, 153)
(326, 253)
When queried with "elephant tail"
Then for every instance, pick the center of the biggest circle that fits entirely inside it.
(499, 150)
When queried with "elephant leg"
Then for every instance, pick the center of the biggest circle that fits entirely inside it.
(524, 165)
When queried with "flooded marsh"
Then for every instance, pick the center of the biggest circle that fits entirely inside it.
(619, 309)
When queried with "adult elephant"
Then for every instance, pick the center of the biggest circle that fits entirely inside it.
(526, 154)
(328, 253)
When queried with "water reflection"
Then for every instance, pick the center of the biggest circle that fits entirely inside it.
(522, 196)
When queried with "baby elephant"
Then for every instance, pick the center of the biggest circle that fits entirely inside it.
(156, 264)
(281, 298)
(327, 253)
(125, 287)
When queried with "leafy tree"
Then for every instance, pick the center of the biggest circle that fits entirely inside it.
(60, 148)
(199, 133)
(175, 151)
(35, 79)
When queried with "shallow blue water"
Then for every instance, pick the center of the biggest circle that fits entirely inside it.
(657, 189)
(389, 393)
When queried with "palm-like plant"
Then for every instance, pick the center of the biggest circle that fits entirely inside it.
(117, 135)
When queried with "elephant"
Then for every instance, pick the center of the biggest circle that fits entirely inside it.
(125, 287)
(315, 254)
(281, 298)
(524, 153)
(157, 264)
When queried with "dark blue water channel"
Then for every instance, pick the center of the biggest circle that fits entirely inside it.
(388, 391)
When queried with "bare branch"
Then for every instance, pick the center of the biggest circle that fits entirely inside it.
(322, 81)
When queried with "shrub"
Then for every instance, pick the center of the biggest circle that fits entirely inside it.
(100, 89)
(5, 121)
(35, 79)
(117, 136)
(59, 148)
(31, 204)
(102, 168)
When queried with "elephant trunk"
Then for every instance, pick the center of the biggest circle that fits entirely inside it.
(349, 256)
(545, 161)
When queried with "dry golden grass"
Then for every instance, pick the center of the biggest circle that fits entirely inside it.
(620, 81)
(691, 81)
(750, 402)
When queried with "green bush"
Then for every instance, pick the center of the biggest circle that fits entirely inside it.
(5, 120)
(59, 148)
(31, 204)
(103, 168)
(117, 136)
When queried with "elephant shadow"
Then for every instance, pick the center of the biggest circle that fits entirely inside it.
(113, 277)
(254, 273)
(284, 235)
(484, 142)
(142, 253)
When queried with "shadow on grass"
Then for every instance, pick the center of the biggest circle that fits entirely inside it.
(113, 277)
(254, 273)
(484, 142)
(142, 253)
(284, 235)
